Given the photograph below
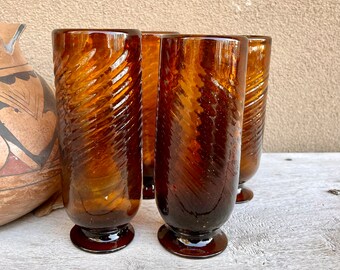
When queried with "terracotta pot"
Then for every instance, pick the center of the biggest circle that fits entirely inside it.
(29, 158)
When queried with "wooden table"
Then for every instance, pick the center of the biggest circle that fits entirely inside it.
(293, 222)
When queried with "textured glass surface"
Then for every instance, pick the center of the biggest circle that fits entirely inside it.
(150, 65)
(201, 102)
(98, 90)
(255, 105)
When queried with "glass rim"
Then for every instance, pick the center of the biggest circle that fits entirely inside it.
(259, 37)
(208, 37)
(130, 32)
(159, 33)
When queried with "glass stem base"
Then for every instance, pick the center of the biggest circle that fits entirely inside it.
(148, 188)
(244, 194)
(202, 246)
(102, 240)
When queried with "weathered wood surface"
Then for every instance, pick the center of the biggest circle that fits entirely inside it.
(293, 222)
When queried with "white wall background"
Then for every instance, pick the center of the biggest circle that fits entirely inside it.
(303, 112)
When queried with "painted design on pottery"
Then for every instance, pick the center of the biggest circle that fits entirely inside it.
(22, 105)
(9, 47)
(29, 158)
(25, 100)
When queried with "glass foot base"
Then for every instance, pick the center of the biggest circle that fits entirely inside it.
(149, 188)
(101, 241)
(198, 248)
(244, 195)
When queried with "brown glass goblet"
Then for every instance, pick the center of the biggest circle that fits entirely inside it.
(198, 143)
(254, 111)
(98, 91)
(151, 42)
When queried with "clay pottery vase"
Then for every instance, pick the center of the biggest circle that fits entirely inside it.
(29, 158)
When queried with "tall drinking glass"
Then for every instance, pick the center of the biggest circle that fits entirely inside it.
(254, 111)
(199, 124)
(98, 91)
(151, 42)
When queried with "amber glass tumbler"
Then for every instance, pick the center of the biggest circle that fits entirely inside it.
(199, 124)
(151, 42)
(254, 111)
(98, 91)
